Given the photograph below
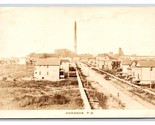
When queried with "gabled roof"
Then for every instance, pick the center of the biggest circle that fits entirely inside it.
(64, 60)
(110, 56)
(48, 61)
(92, 58)
(126, 62)
(145, 63)
(100, 58)
(106, 55)
(148, 63)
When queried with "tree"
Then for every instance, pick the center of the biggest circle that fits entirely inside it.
(41, 55)
(64, 53)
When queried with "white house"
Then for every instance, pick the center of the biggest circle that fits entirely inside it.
(47, 69)
(143, 71)
(112, 64)
(125, 65)
(100, 62)
(92, 61)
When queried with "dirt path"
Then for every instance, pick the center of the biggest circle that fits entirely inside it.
(130, 102)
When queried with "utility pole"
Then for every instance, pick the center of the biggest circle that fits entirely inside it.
(150, 77)
(75, 38)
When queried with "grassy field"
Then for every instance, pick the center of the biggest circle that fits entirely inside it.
(16, 70)
(36, 95)
(40, 95)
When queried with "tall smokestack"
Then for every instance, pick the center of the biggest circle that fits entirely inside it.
(75, 38)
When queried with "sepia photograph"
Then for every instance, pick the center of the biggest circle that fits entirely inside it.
(77, 62)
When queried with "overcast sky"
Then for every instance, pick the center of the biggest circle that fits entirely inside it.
(99, 29)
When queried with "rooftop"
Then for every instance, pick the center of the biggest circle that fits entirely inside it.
(48, 61)
(145, 63)
(64, 60)
(126, 62)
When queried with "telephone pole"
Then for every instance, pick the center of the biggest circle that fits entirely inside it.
(75, 38)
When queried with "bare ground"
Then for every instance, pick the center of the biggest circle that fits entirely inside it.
(98, 93)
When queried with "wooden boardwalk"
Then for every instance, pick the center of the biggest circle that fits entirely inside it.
(83, 94)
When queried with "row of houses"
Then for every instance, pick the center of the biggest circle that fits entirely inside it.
(140, 70)
(7, 61)
(105, 63)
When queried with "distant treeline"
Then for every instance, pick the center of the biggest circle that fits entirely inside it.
(62, 53)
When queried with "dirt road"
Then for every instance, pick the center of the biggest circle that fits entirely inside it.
(130, 102)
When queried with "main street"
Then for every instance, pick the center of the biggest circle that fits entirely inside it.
(129, 101)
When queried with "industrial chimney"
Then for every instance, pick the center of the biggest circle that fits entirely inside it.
(75, 39)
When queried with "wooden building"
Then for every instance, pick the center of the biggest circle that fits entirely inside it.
(143, 71)
(47, 69)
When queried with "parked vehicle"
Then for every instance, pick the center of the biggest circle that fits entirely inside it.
(107, 77)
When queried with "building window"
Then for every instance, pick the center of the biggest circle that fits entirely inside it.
(40, 73)
(151, 69)
(138, 76)
(47, 73)
(133, 73)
